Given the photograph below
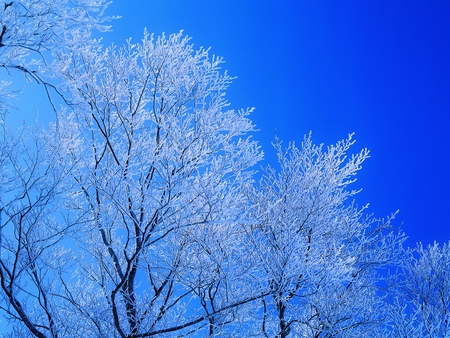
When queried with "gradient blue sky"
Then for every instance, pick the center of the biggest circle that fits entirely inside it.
(377, 68)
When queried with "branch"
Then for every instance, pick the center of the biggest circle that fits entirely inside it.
(202, 318)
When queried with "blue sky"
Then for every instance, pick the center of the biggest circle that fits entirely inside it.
(377, 68)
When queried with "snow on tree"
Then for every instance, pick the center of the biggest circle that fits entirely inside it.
(136, 213)
(420, 304)
(159, 160)
(32, 31)
(316, 250)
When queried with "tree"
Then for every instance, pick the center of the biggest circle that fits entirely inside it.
(317, 251)
(33, 30)
(32, 182)
(158, 163)
(32, 188)
(420, 304)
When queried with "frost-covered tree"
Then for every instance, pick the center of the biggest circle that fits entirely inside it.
(32, 31)
(153, 162)
(315, 248)
(158, 160)
(31, 204)
(420, 304)
(32, 226)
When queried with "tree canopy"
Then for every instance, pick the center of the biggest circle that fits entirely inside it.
(139, 211)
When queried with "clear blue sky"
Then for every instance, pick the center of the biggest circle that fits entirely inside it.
(377, 68)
